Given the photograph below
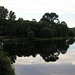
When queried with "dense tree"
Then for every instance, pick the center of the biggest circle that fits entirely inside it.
(51, 17)
(3, 12)
(20, 19)
(30, 35)
(49, 26)
(12, 15)
(65, 29)
(46, 32)
(5, 65)
(59, 31)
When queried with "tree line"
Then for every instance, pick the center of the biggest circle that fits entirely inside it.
(73, 29)
(49, 26)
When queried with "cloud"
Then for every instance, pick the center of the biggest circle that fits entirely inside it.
(40, 5)
(50, 69)
(29, 9)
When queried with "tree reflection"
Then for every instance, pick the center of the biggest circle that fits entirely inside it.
(48, 50)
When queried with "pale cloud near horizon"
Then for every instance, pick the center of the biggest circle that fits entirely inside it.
(61, 6)
(29, 9)
(65, 65)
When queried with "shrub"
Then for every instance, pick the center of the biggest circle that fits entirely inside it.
(5, 65)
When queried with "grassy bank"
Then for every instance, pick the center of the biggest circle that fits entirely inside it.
(5, 38)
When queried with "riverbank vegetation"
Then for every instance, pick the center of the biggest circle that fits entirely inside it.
(73, 29)
(5, 65)
(49, 26)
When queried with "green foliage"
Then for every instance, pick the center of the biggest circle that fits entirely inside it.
(73, 31)
(3, 12)
(31, 35)
(5, 65)
(49, 26)
(12, 15)
(50, 17)
(46, 32)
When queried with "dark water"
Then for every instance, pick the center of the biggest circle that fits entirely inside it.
(54, 57)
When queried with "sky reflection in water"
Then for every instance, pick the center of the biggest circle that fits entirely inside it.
(65, 65)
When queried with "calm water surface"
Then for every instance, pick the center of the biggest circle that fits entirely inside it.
(65, 65)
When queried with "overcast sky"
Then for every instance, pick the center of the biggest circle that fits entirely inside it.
(35, 9)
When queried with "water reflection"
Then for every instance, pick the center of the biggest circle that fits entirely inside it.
(48, 50)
